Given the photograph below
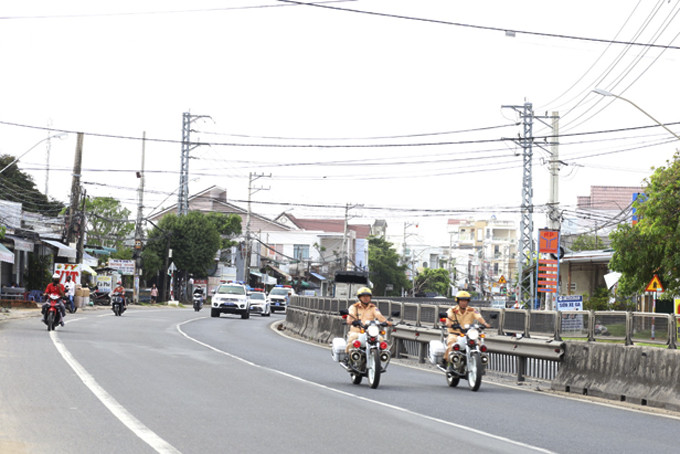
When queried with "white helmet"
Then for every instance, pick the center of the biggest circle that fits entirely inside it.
(56, 276)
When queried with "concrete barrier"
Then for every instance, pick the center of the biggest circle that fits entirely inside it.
(636, 374)
(296, 320)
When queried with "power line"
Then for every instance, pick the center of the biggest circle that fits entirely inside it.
(148, 13)
(330, 146)
(481, 27)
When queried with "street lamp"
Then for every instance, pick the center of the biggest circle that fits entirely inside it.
(602, 92)
(37, 143)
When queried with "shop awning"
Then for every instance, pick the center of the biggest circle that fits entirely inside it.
(6, 255)
(270, 279)
(318, 276)
(63, 250)
(21, 244)
(278, 271)
(86, 269)
(89, 260)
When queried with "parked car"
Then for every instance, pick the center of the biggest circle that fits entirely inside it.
(279, 297)
(258, 303)
(230, 299)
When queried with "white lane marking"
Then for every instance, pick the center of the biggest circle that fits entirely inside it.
(589, 400)
(124, 416)
(356, 396)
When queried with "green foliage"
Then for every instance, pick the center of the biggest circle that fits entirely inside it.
(107, 221)
(385, 268)
(433, 280)
(599, 301)
(19, 187)
(123, 253)
(653, 245)
(194, 239)
(38, 272)
(586, 243)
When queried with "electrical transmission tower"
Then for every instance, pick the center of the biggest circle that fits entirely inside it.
(248, 246)
(187, 146)
(527, 248)
(527, 251)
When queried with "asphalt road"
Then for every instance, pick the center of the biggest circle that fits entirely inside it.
(172, 380)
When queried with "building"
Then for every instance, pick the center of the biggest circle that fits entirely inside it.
(599, 213)
(483, 251)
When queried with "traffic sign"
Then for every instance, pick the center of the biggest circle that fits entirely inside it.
(502, 280)
(654, 285)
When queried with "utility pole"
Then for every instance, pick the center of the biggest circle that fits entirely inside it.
(344, 258)
(82, 223)
(139, 232)
(187, 146)
(69, 237)
(248, 247)
(47, 160)
(554, 218)
(413, 257)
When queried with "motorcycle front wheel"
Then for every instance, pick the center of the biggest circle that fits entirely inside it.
(474, 375)
(356, 378)
(50, 321)
(373, 368)
(452, 379)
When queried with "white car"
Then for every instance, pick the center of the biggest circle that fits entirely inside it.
(279, 297)
(259, 304)
(230, 299)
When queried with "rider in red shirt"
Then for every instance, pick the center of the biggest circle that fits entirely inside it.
(55, 288)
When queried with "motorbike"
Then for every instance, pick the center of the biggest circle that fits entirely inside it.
(368, 356)
(100, 298)
(67, 303)
(52, 312)
(468, 356)
(198, 301)
(117, 305)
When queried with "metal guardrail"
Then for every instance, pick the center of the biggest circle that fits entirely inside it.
(417, 324)
(589, 326)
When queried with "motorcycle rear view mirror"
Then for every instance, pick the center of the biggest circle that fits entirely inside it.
(494, 316)
(344, 312)
(442, 315)
(396, 313)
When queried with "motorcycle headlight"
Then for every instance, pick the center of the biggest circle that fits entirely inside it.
(473, 334)
(373, 331)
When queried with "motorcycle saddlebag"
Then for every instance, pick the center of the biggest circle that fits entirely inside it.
(338, 346)
(436, 353)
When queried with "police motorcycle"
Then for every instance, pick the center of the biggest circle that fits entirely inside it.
(117, 304)
(468, 356)
(197, 298)
(52, 312)
(369, 355)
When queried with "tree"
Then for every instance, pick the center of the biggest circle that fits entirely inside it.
(17, 186)
(585, 243)
(385, 268)
(107, 222)
(194, 239)
(652, 246)
(432, 280)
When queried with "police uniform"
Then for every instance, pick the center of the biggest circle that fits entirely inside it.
(357, 311)
(463, 317)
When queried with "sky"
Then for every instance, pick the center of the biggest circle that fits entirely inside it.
(393, 108)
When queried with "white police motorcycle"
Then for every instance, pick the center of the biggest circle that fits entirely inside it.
(369, 355)
(468, 356)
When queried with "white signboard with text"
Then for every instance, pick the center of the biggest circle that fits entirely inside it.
(126, 267)
(68, 269)
(571, 322)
